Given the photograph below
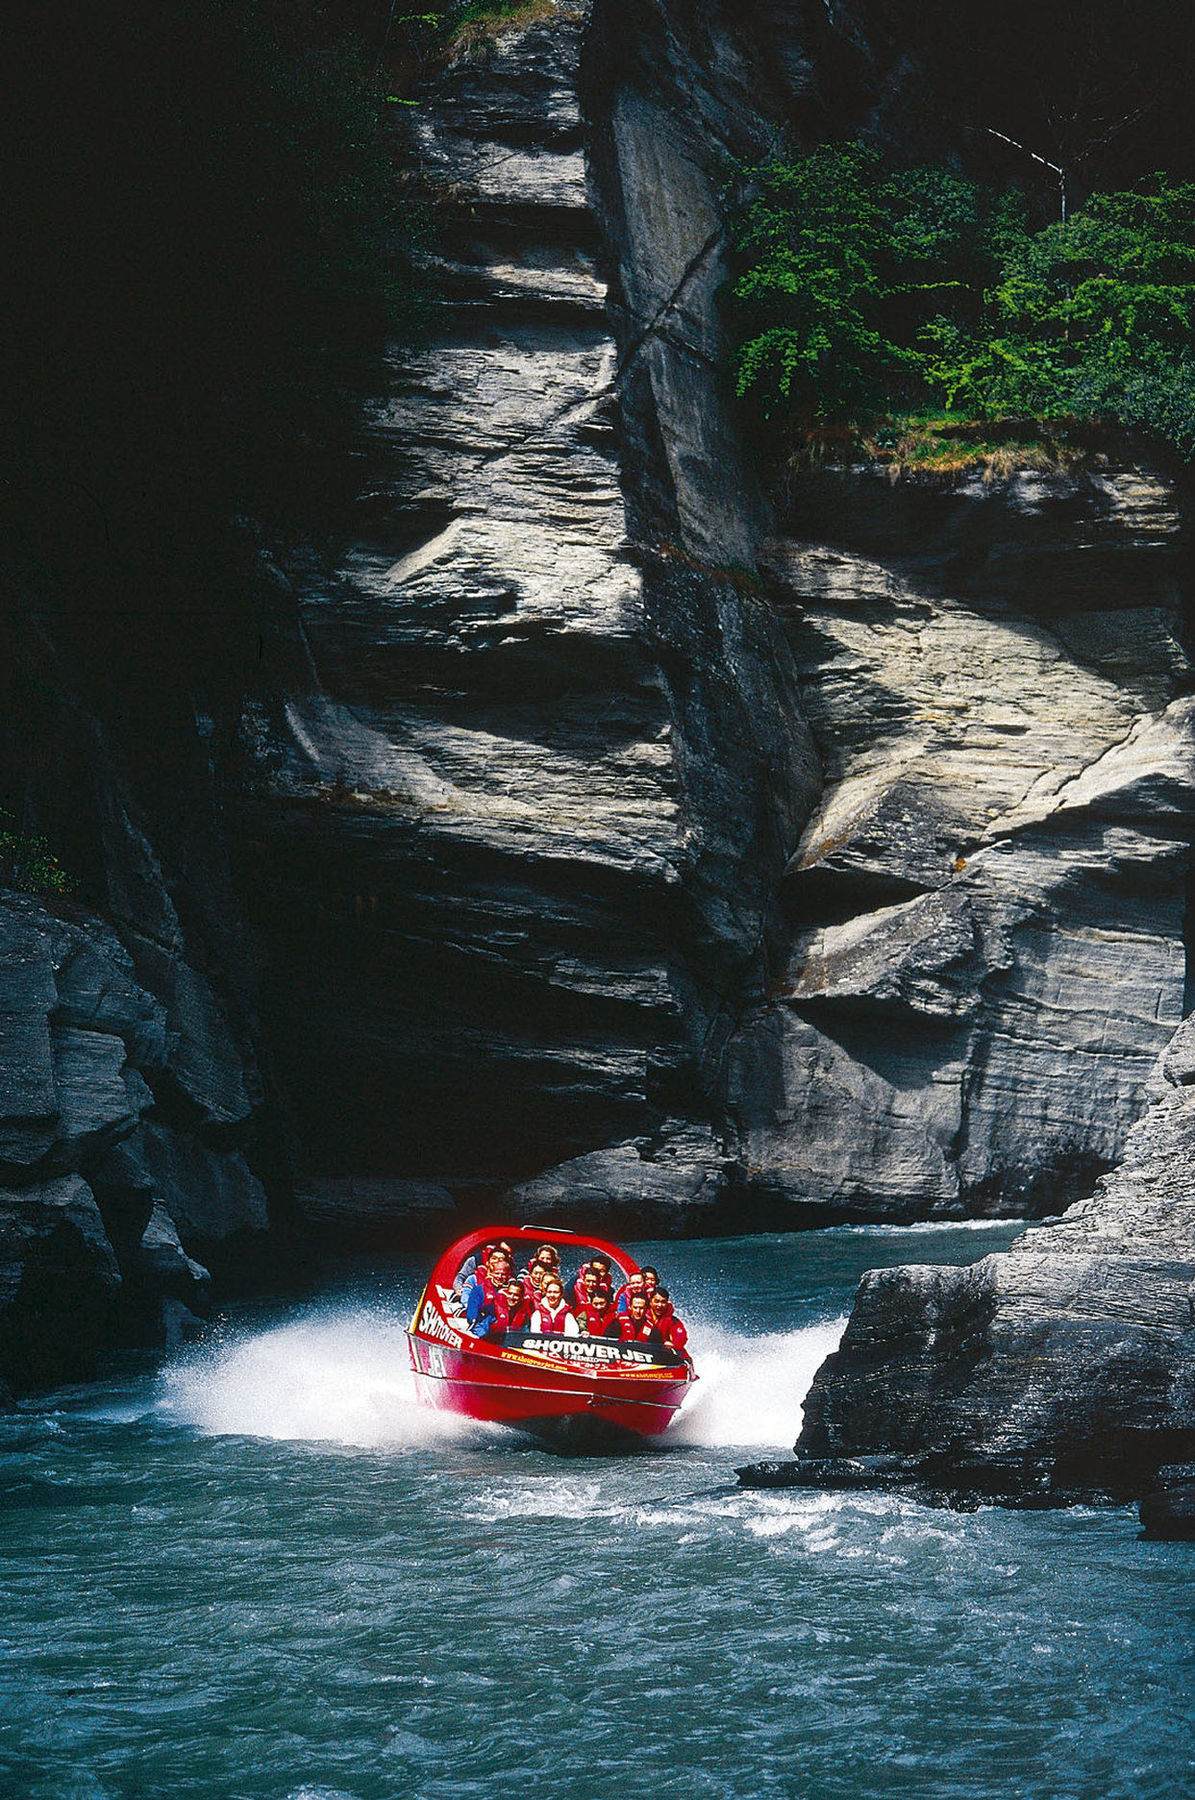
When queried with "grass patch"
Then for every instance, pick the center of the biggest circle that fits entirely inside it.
(479, 26)
(28, 864)
(949, 445)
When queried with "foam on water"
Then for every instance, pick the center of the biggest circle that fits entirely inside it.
(345, 1377)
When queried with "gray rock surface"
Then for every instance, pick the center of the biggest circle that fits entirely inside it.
(101, 1199)
(517, 829)
(681, 1181)
(600, 797)
(1168, 1512)
(1061, 1370)
(59, 1281)
(988, 903)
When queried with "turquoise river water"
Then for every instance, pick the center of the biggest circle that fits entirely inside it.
(256, 1570)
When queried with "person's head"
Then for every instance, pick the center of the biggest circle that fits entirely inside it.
(601, 1270)
(588, 1279)
(553, 1291)
(600, 1300)
(637, 1308)
(500, 1267)
(635, 1284)
(514, 1292)
(659, 1303)
(547, 1256)
(651, 1281)
(537, 1275)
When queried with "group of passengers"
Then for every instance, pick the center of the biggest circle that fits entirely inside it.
(537, 1299)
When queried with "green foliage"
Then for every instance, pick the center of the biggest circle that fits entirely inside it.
(844, 263)
(28, 863)
(1094, 317)
(863, 292)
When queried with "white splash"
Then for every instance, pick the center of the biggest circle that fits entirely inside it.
(343, 1378)
(752, 1389)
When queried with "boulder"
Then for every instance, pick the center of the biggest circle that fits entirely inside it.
(1062, 1370)
(674, 1185)
(1168, 1513)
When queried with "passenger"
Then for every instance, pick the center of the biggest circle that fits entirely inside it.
(553, 1315)
(481, 1313)
(534, 1278)
(584, 1286)
(598, 1317)
(651, 1281)
(471, 1267)
(632, 1285)
(518, 1312)
(636, 1327)
(659, 1310)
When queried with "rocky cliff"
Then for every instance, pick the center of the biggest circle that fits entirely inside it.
(683, 857)
(515, 834)
(988, 904)
(765, 865)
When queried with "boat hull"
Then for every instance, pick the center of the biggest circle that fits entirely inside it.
(536, 1390)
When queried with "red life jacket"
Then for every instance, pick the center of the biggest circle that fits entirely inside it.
(678, 1337)
(599, 1324)
(646, 1332)
(554, 1321)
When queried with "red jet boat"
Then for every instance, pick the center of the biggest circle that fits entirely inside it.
(575, 1388)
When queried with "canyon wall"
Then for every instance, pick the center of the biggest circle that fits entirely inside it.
(617, 843)
(1061, 1371)
(515, 834)
(135, 1131)
(684, 859)
(988, 906)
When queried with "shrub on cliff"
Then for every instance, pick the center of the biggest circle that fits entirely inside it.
(863, 292)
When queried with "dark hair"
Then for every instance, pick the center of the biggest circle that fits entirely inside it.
(662, 1293)
(650, 1271)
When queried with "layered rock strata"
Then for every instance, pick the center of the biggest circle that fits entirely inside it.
(104, 1191)
(988, 904)
(516, 829)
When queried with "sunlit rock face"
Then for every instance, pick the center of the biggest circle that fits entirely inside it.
(988, 903)
(517, 829)
(830, 864)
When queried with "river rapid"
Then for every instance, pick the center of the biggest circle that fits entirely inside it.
(257, 1570)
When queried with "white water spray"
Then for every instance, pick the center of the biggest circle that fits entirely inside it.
(752, 1389)
(344, 1377)
(332, 1377)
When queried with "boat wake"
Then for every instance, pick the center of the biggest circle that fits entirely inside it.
(344, 1377)
(341, 1377)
